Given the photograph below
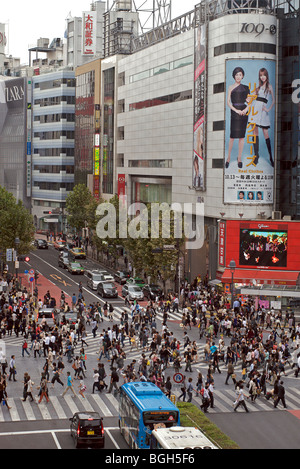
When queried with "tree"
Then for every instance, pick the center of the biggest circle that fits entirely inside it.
(80, 206)
(15, 222)
(148, 249)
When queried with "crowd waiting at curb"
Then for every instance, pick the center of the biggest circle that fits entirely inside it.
(263, 342)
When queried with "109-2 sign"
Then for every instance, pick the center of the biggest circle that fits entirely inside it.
(257, 28)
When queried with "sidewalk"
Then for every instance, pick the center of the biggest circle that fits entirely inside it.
(43, 285)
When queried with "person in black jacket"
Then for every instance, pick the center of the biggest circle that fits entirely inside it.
(280, 395)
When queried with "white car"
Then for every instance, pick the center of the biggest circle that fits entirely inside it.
(106, 275)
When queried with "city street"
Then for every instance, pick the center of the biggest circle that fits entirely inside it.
(239, 426)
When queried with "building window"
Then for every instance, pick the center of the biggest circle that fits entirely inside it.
(219, 88)
(217, 163)
(218, 125)
(244, 47)
(171, 98)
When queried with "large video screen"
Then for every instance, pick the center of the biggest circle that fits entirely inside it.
(263, 248)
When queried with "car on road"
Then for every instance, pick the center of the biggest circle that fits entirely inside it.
(75, 268)
(107, 290)
(136, 281)
(151, 291)
(87, 429)
(93, 278)
(133, 292)
(59, 245)
(107, 276)
(48, 315)
(41, 244)
(68, 246)
(121, 276)
(77, 253)
(63, 260)
(70, 317)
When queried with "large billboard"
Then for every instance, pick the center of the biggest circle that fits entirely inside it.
(249, 131)
(199, 108)
(262, 245)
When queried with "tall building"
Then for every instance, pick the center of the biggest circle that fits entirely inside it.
(200, 111)
(88, 123)
(53, 136)
(14, 104)
(84, 36)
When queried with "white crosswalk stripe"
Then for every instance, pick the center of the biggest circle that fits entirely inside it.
(63, 408)
(58, 407)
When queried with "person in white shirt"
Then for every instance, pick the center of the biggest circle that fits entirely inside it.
(241, 399)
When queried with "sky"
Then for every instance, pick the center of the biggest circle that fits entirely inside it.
(29, 20)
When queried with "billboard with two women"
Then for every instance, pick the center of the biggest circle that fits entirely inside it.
(249, 131)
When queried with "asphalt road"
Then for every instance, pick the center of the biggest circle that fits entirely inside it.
(271, 429)
(54, 434)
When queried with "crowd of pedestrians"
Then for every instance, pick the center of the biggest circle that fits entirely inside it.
(261, 343)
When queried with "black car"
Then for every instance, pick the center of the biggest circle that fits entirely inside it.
(63, 260)
(152, 291)
(121, 276)
(107, 289)
(41, 244)
(87, 429)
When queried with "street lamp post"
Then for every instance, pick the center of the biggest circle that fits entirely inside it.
(232, 267)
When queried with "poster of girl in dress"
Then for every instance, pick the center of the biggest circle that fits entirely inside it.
(199, 108)
(249, 131)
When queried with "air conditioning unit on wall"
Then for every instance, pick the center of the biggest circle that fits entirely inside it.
(276, 215)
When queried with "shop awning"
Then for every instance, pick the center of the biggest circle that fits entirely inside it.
(261, 277)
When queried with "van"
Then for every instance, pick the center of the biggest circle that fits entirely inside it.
(94, 277)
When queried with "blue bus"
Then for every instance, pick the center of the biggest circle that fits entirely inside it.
(142, 408)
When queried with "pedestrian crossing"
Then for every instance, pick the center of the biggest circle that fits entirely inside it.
(63, 408)
(58, 408)
(224, 399)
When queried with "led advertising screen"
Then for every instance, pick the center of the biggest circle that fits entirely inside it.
(249, 131)
(263, 248)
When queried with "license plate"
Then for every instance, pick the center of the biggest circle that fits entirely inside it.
(91, 432)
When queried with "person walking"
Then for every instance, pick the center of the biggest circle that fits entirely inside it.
(43, 389)
(12, 369)
(190, 390)
(280, 395)
(3, 395)
(69, 385)
(25, 348)
(230, 373)
(113, 381)
(168, 386)
(29, 389)
(82, 389)
(56, 376)
(241, 399)
(183, 390)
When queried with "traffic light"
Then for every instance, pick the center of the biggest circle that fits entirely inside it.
(24, 258)
(36, 276)
(47, 213)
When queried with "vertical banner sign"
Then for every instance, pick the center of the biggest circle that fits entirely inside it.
(89, 37)
(28, 153)
(222, 231)
(121, 186)
(249, 131)
(199, 108)
(97, 166)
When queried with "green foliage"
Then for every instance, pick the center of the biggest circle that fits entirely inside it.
(191, 416)
(15, 222)
(81, 207)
